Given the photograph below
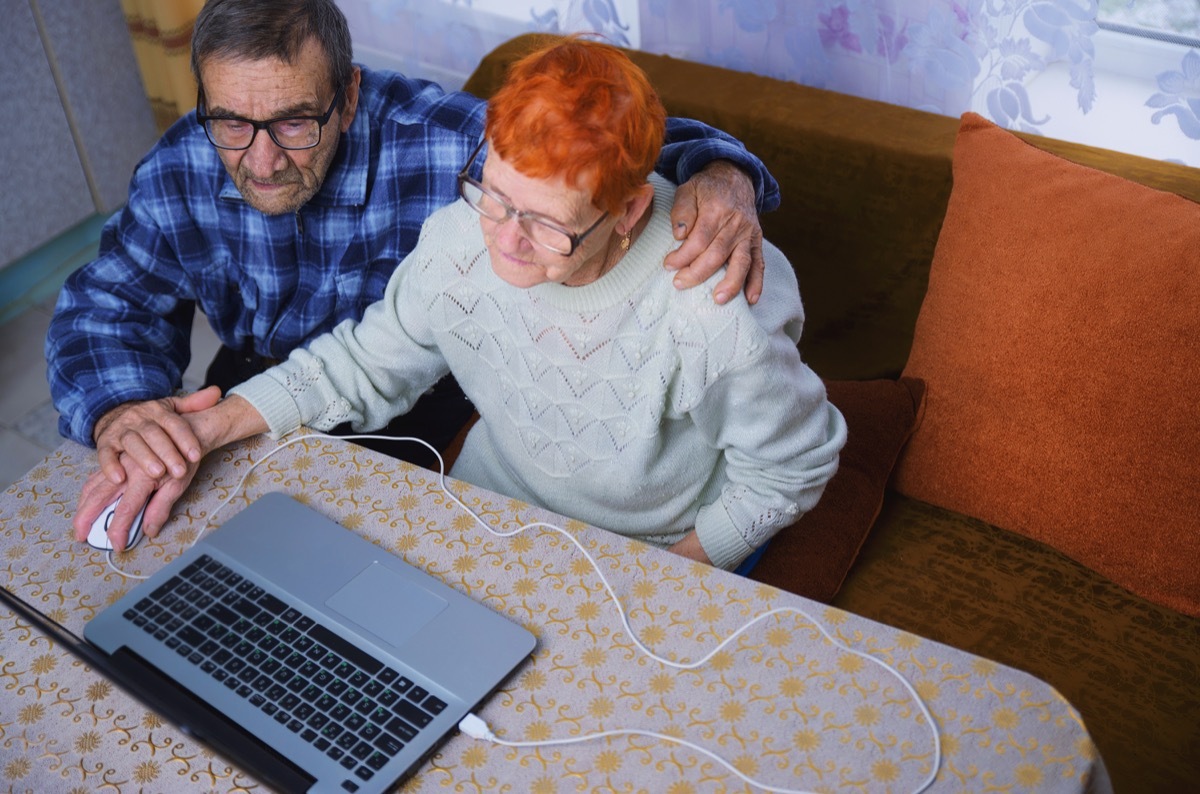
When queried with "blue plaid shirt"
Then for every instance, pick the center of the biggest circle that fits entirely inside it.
(268, 283)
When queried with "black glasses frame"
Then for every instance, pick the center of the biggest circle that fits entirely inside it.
(322, 120)
(464, 178)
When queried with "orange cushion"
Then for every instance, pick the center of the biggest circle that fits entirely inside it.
(1059, 342)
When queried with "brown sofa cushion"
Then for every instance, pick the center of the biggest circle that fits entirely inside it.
(1058, 343)
(1127, 664)
(812, 556)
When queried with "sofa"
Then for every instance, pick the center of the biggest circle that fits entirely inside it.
(1007, 323)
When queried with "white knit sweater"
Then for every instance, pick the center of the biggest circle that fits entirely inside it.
(625, 403)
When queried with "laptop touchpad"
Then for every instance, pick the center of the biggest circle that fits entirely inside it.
(383, 602)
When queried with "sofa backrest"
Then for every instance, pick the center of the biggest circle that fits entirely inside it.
(864, 185)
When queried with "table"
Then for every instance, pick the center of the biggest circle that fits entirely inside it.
(781, 702)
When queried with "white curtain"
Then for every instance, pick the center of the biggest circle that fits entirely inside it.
(1030, 65)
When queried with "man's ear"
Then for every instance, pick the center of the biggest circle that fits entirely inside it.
(635, 206)
(350, 105)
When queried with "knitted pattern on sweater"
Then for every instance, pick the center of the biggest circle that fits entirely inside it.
(624, 403)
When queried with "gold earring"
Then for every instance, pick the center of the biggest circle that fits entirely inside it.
(626, 240)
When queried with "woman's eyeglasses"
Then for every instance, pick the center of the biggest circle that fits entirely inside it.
(539, 229)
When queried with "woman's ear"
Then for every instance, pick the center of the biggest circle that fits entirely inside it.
(635, 207)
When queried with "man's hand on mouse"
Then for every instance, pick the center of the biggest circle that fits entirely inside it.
(158, 494)
(212, 423)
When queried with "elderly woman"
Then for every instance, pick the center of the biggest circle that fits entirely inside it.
(603, 392)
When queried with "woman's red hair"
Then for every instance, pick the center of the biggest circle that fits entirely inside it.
(580, 110)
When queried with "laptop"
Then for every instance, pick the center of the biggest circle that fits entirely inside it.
(307, 655)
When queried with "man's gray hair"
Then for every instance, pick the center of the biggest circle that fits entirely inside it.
(258, 29)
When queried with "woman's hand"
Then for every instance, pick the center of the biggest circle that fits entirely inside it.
(151, 434)
(689, 546)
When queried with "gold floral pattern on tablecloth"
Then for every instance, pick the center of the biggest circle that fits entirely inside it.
(780, 703)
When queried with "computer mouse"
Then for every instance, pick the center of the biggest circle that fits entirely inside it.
(98, 536)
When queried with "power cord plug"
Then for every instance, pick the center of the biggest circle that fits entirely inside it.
(476, 728)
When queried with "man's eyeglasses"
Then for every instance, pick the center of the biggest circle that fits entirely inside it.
(291, 132)
(539, 229)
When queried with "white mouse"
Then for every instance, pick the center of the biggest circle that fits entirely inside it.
(98, 536)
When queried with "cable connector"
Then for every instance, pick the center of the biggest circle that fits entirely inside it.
(476, 728)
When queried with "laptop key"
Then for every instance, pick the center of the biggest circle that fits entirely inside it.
(190, 636)
(388, 743)
(402, 729)
(412, 713)
(271, 604)
(346, 649)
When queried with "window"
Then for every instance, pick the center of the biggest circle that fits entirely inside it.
(1175, 21)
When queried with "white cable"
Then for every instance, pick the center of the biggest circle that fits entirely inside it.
(477, 728)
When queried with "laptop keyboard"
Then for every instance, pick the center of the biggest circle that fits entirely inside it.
(336, 697)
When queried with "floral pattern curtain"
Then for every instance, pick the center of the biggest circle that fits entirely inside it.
(1029, 65)
(161, 31)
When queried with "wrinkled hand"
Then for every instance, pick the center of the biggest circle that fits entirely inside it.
(152, 434)
(100, 491)
(715, 215)
(212, 426)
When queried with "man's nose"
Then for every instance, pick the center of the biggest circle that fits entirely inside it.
(264, 157)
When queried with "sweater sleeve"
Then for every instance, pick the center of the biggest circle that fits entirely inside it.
(779, 434)
(363, 372)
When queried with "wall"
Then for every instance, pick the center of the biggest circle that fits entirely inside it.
(76, 121)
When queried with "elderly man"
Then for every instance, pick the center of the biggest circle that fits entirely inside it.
(280, 208)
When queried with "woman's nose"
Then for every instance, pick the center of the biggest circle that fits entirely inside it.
(510, 234)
